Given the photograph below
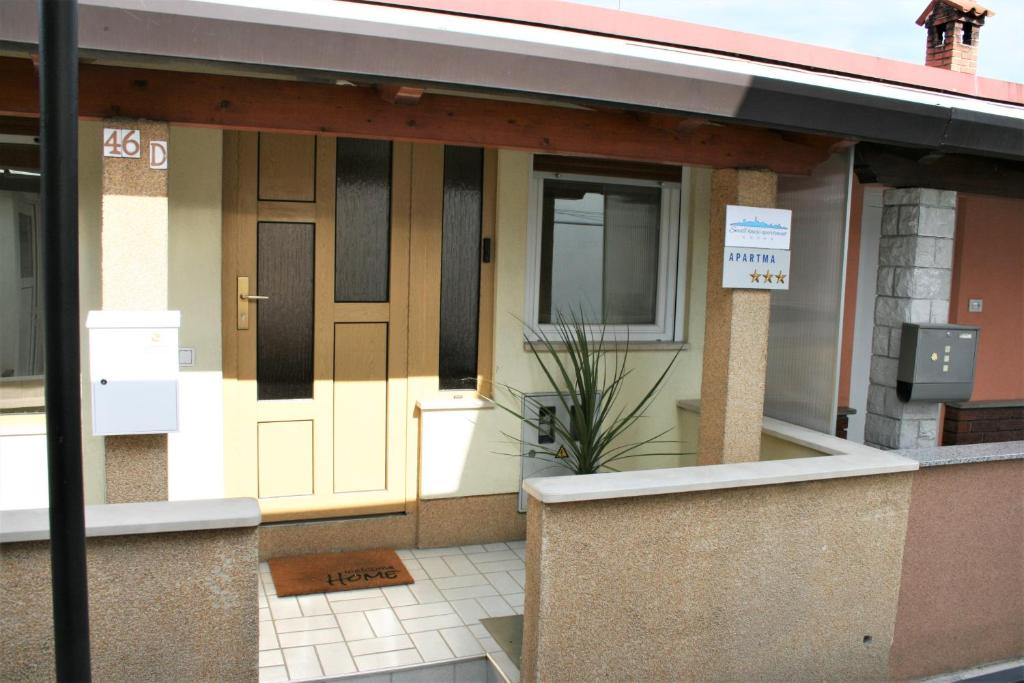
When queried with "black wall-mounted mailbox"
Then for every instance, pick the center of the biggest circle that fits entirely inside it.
(936, 362)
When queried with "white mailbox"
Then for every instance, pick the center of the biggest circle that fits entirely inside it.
(133, 371)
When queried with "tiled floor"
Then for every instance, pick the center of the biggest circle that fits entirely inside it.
(436, 619)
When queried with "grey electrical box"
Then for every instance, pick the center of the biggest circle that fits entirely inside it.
(936, 362)
(540, 439)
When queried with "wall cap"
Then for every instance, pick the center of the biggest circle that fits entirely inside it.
(128, 519)
(966, 454)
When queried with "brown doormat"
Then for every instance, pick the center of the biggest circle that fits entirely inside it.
(332, 572)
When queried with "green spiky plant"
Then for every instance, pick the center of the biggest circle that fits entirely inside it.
(588, 378)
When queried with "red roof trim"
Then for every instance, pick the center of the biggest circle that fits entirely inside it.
(597, 20)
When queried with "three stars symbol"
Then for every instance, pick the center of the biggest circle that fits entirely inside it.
(780, 277)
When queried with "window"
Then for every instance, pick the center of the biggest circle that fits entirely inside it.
(608, 247)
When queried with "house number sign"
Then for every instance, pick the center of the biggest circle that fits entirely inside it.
(126, 143)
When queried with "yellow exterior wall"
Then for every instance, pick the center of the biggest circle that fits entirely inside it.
(460, 449)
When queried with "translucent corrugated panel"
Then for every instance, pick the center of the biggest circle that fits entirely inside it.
(284, 322)
(362, 240)
(460, 266)
(806, 320)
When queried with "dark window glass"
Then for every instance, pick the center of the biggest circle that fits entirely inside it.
(362, 238)
(460, 266)
(284, 329)
(599, 252)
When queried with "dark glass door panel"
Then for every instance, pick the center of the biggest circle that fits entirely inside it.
(284, 329)
(460, 266)
(362, 240)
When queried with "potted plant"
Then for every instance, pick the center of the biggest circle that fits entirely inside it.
(588, 373)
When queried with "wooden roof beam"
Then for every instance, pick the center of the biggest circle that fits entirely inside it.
(243, 103)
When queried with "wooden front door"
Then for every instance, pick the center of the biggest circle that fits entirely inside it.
(316, 272)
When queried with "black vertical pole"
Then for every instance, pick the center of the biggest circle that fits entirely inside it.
(58, 106)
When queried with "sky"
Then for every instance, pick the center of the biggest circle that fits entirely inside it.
(880, 28)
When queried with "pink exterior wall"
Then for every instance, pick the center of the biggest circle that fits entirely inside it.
(989, 265)
(962, 588)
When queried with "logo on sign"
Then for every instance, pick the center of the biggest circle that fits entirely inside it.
(750, 226)
(158, 155)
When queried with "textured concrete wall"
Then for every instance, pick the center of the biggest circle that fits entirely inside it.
(792, 582)
(915, 260)
(162, 607)
(735, 334)
(962, 593)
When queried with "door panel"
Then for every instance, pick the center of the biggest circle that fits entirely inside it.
(291, 476)
(317, 415)
(360, 406)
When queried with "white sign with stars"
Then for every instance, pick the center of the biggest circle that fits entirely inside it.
(751, 226)
(747, 268)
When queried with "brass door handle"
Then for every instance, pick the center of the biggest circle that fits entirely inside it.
(252, 297)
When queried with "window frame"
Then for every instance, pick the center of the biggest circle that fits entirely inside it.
(672, 245)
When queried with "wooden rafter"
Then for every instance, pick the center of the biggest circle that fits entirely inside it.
(244, 103)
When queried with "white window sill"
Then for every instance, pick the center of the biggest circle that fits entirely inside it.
(470, 400)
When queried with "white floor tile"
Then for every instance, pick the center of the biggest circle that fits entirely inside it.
(520, 553)
(515, 599)
(273, 674)
(419, 574)
(304, 624)
(501, 565)
(461, 641)
(469, 592)
(503, 583)
(343, 606)
(284, 608)
(326, 635)
(426, 591)
(520, 609)
(496, 556)
(261, 601)
(384, 622)
(302, 662)
(516, 545)
(459, 564)
(404, 554)
(489, 644)
(496, 607)
(431, 646)
(418, 611)
(399, 595)
(492, 547)
(479, 630)
(375, 645)
(430, 674)
(271, 658)
(474, 579)
(265, 614)
(411, 563)
(436, 567)
(388, 660)
(360, 594)
(474, 671)
(355, 626)
(469, 610)
(519, 576)
(431, 623)
(268, 638)
(469, 549)
(313, 605)
(335, 659)
(420, 553)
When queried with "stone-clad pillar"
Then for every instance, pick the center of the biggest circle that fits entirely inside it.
(735, 335)
(134, 278)
(915, 261)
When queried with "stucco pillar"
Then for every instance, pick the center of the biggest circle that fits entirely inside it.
(735, 335)
(915, 261)
(134, 278)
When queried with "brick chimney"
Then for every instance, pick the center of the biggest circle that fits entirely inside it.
(953, 30)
